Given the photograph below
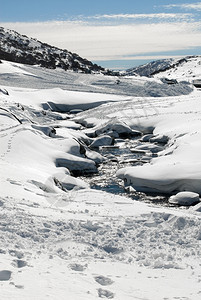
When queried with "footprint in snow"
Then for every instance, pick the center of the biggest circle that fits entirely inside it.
(77, 267)
(19, 263)
(105, 294)
(102, 280)
(5, 275)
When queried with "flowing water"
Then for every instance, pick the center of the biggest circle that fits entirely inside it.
(120, 156)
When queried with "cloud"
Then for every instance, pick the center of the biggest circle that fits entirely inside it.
(188, 6)
(149, 57)
(102, 42)
(141, 16)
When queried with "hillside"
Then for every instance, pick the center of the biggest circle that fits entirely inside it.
(188, 67)
(150, 68)
(22, 49)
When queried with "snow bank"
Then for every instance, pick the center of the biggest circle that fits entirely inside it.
(174, 123)
(101, 141)
(162, 178)
(113, 128)
(59, 100)
(184, 198)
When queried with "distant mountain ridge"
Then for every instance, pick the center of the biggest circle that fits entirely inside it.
(22, 49)
(162, 66)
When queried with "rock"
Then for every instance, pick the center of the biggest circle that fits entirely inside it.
(146, 138)
(136, 150)
(95, 156)
(119, 141)
(76, 165)
(104, 140)
(184, 198)
(113, 134)
(112, 147)
(163, 139)
(150, 147)
(115, 126)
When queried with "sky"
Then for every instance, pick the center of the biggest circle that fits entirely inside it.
(116, 34)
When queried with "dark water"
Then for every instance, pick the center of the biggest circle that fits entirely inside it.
(117, 157)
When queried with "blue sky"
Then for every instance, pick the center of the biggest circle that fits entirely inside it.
(25, 10)
(116, 34)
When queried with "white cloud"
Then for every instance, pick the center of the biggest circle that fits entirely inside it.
(142, 16)
(115, 42)
(149, 57)
(196, 6)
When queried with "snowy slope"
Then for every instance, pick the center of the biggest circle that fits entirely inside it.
(62, 240)
(184, 68)
(152, 67)
(19, 75)
(188, 69)
(173, 168)
(22, 49)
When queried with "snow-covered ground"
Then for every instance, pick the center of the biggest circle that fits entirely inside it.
(62, 240)
(182, 68)
(39, 78)
(189, 69)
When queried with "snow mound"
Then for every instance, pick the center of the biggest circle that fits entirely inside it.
(104, 140)
(161, 178)
(184, 198)
(114, 128)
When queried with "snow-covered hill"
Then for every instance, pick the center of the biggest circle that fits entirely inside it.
(188, 68)
(184, 68)
(61, 239)
(20, 75)
(150, 68)
(20, 48)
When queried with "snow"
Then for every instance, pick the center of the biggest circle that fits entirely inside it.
(13, 68)
(184, 198)
(101, 141)
(62, 240)
(173, 70)
(20, 48)
(189, 69)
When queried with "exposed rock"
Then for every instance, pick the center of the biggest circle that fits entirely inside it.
(22, 49)
(146, 138)
(115, 126)
(163, 139)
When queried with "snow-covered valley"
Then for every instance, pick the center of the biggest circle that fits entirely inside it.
(61, 239)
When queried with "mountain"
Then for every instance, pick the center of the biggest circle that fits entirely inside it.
(150, 68)
(189, 66)
(22, 49)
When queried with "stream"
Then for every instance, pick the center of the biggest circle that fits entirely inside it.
(119, 156)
